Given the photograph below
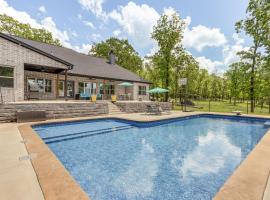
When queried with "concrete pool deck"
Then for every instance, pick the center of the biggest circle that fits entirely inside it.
(45, 177)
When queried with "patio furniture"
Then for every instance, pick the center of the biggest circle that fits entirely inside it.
(113, 97)
(153, 109)
(77, 96)
(85, 96)
(93, 98)
(99, 97)
(158, 90)
(237, 112)
(126, 96)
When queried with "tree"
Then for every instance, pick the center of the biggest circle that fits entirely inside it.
(127, 57)
(168, 33)
(235, 77)
(11, 26)
(256, 25)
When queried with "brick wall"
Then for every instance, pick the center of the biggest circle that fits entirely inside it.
(15, 56)
(136, 91)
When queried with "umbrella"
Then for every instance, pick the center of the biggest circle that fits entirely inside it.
(125, 84)
(158, 90)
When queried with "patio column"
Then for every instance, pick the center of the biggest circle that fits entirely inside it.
(65, 88)
(56, 86)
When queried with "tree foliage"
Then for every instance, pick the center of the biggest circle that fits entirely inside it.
(11, 26)
(127, 57)
(256, 25)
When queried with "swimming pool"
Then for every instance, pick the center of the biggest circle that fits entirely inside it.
(187, 158)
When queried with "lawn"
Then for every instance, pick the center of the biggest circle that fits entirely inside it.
(225, 106)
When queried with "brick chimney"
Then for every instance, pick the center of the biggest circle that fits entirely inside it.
(112, 57)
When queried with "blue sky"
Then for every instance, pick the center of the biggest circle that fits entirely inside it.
(209, 36)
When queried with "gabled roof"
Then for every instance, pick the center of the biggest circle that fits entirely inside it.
(19, 42)
(84, 65)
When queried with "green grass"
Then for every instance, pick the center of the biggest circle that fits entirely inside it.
(225, 106)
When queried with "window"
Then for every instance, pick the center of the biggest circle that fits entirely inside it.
(142, 90)
(81, 88)
(6, 77)
(39, 85)
(87, 88)
(109, 89)
(101, 91)
(48, 85)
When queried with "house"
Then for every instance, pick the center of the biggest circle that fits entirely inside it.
(36, 70)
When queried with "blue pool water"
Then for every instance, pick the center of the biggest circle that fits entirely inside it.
(174, 160)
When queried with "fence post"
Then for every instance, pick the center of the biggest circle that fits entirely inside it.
(209, 104)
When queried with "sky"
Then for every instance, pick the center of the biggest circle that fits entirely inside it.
(209, 34)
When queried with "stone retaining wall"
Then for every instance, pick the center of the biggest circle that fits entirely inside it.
(54, 110)
(137, 107)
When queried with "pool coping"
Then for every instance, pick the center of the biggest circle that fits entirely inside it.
(248, 181)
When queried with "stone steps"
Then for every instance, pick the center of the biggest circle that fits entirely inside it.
(113, 109)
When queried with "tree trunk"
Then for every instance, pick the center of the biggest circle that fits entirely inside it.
(167, 77)
(252, 80)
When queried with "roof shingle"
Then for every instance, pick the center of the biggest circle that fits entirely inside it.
(83, 64)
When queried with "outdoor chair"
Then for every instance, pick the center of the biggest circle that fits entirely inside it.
(151, 109)
(85, 96)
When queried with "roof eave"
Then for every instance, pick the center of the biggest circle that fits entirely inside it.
(7, 37)
(109, 78)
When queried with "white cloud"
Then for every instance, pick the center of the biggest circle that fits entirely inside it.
(137, 21)
(229, 56)
(42, 9)
(211, 66)
(116, 32)
(199, 37)
(169, 11)
(46, 23)
(95, 36)
(84, 48)
(94, 6)
(230, 51)
(21, 16)
(50, 25)
(89, 24)
(79, 16)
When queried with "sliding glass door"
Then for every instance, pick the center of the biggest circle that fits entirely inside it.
(87, 88)
(70, 88)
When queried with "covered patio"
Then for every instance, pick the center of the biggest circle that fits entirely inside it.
(51, 83)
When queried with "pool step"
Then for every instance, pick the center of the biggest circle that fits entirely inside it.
(72, 136)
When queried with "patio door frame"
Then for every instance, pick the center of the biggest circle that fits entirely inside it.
(62, 95)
